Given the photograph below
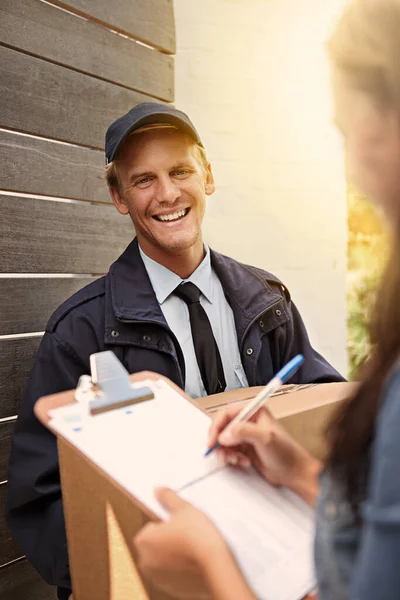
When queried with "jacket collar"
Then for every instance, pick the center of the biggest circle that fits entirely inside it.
(248, 292)
(133, 298)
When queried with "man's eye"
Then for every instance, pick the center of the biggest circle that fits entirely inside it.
(180, 172)
(143, 181)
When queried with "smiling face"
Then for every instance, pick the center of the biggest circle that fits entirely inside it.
(163, 187)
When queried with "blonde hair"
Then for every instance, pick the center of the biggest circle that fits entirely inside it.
(365, 47)
(111, 174)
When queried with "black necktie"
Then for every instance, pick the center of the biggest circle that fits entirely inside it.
(205, 346)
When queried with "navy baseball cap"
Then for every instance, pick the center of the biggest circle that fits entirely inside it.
(147, 113)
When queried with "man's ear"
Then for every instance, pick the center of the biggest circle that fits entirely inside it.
(118, 201)
(209, 184)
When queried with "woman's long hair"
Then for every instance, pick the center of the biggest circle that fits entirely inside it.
(365, 47)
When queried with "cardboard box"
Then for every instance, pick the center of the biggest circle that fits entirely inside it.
(102, 518)
(303, 410)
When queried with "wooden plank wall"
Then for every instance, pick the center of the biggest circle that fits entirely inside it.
(67, 70)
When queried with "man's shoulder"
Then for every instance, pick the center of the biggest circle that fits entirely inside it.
(84, 300)
(269, 277)
(247, 272)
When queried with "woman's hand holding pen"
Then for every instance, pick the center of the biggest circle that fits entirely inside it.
(264, 443)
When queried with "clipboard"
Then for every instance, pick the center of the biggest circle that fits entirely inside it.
(102, 517)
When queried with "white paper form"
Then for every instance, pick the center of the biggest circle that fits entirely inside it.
(162, 442)
(270, 531)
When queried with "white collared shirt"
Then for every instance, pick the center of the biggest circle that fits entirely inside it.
(220, 315)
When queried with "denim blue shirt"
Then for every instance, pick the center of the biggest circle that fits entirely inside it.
(361, 561)
(219, 313)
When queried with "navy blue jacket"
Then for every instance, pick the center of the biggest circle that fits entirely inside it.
(120, 312)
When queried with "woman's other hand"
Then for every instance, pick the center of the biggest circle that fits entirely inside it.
(172, 553)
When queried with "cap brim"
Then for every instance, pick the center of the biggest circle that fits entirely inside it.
(154, 119)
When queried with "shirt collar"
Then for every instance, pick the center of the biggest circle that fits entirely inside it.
(164, 281)
(202, 276)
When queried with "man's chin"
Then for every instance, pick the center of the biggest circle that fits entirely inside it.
(179, 246)
(177, 249)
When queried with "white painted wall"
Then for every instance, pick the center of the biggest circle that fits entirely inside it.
(254, 77)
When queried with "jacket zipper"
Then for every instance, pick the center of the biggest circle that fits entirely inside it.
(174, 338)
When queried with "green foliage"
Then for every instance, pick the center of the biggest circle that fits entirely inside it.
(367, 249)
(360, 299)
(362, 216)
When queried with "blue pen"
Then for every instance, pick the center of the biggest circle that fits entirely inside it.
(250, 409)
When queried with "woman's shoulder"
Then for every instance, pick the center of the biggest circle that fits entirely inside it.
(390, 397)
(384, 485)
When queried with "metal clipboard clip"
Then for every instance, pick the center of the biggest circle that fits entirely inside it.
(109, 386)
